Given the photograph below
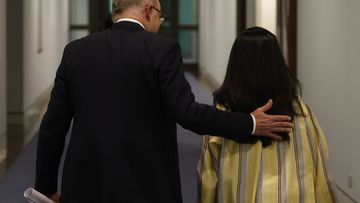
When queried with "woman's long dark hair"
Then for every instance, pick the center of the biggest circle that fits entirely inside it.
(257, 72)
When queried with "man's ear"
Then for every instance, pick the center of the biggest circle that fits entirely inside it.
(147, 11)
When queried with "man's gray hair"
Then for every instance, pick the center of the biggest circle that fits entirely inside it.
(118, 6)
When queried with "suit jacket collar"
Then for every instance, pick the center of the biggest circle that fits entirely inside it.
(127, 25)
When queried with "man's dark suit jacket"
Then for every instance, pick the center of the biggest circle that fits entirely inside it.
(125, 90)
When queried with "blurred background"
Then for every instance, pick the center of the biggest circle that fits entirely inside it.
(320, 40)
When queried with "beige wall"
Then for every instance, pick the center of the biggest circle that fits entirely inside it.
(329, 68)
(39, 68)
(265, 14)
(217, 29)
(2, 74)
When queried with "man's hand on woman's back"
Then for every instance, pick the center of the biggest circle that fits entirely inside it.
(270, 125)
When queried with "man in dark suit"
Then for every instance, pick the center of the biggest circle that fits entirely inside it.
(125, 91)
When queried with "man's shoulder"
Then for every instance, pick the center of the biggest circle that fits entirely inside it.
(85, 42)
(89, 38)
(156, 43)
(158, 38)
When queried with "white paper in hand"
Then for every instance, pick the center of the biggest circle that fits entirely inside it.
(34, 196)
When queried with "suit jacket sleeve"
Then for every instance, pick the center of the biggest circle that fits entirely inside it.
(53, 129)
(200, 118)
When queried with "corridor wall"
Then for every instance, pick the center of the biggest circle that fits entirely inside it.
(217, 32)
(37, 31)
(45, 35)
(328, 67)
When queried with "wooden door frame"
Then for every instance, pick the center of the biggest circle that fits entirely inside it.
(241, 16)
(292, 36)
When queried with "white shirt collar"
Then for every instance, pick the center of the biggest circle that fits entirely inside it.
(130, 20)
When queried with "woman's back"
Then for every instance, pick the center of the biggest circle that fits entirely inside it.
(292, 171)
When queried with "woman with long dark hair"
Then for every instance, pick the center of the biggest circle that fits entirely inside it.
(260, 170)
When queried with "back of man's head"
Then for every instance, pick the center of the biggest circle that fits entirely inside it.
(119, 6)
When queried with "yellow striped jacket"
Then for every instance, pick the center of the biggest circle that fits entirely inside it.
(291, 171)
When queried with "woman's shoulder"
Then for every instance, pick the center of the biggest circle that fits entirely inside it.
(301, 107)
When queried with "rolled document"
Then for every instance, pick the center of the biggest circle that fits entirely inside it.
(34, 196)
